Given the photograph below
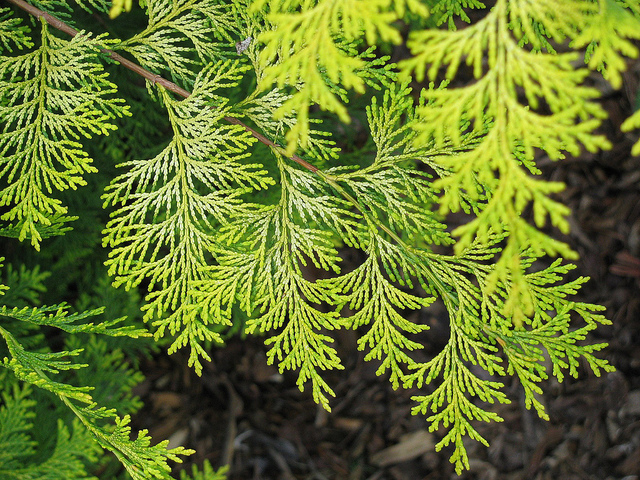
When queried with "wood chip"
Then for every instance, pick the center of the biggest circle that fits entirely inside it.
(410, 446)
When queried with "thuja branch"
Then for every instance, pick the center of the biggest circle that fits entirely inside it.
(172, 87)
(153, 78)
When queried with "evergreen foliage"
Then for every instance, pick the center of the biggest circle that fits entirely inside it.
(37, 366)
(210, 216)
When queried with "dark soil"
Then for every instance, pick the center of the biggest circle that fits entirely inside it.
(244, 413)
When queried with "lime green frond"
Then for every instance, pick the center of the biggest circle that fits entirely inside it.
(313, 64)
(260, 108)
(409, 216)
(173, 203)
(513, 127)
(299, 345)
(608, 36)
(479, 330)
(142, 460)
(400, 231)
(262, 255)
(182, 37)
(549, 19)
(388, 129)
(58, 316)
(375, 187)
(400, 6)
(32, 367)
(58, 225)
(50, 99)
(349, 19)
(450, 404)
(287, 302)
(549, 333)
(381, 307)
(245, 247)
(528, 350)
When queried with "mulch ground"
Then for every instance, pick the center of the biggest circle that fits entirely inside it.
(244, 413)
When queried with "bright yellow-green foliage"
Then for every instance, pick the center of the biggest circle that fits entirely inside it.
(512, 127)
(311, 43)
(201, 23)
(222, 230)
(171, 221)
(513, 122)
(52, 97)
